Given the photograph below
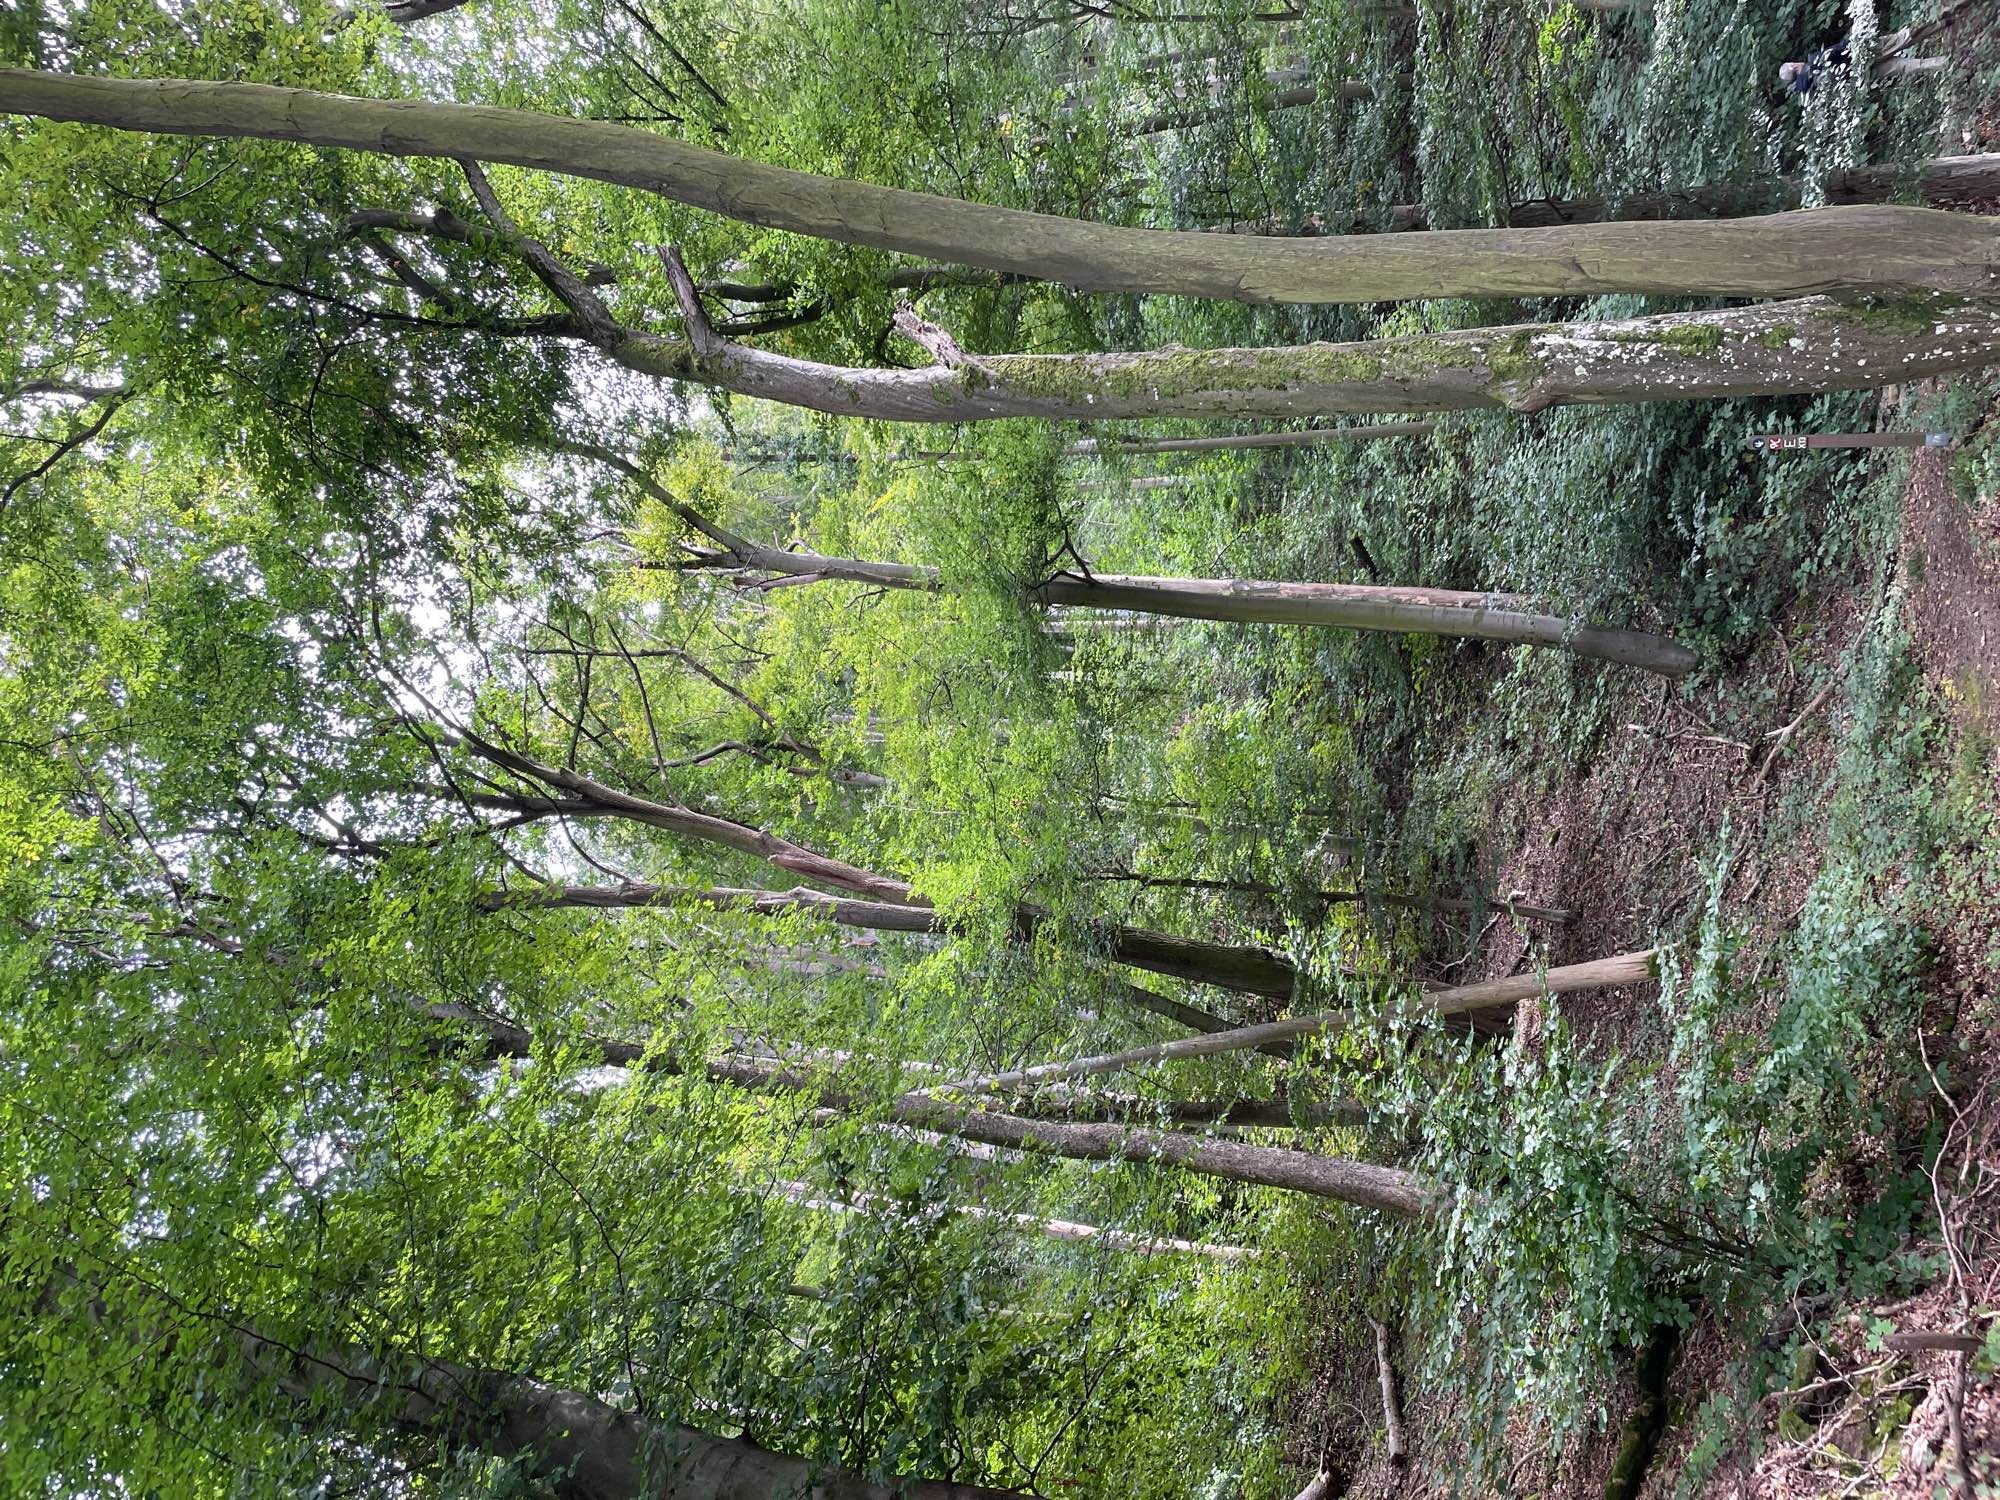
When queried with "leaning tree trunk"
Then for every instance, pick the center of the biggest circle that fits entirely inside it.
(1810, 345)
(1602, 973)
(1253, 970)
(1873, 249)
(1360, 1183)
(1352, 606)
(1250, 970)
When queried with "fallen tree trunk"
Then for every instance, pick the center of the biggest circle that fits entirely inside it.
(1394, 1446)
(1887, 250)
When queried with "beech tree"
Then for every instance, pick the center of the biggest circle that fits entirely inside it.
(1886, 250)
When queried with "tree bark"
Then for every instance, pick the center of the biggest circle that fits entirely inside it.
(1410, 611)
(1625, 968)
(1301, 438)
(1886, 250)
(595, 1450)
(1945, 182)
(602, 1451)
(807, 1196)
(1252, 970)
(403, 12)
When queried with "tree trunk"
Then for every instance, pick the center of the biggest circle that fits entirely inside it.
(498, 1038)
(1394, 1447)
(1814, 344)
(1874, 249)
(1945, 182)
(1252, 970)
(1603, 973)
(807, 1196)
(1360, 1183)
(403, 12)
(1303, 437)
(1291, 96)
(601, 1451)
(1419, 611)
(1343, 898)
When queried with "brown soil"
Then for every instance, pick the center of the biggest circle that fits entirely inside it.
(1626, 845)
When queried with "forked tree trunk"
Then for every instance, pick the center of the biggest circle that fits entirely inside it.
(1884, 250)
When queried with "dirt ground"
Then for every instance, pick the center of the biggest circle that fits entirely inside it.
(1627, 846)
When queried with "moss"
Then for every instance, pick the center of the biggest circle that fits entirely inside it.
(1514, 359)
(1897, 315)
(1778, 338)
(1184, 372)
(1692, 339)
(1642, 1430)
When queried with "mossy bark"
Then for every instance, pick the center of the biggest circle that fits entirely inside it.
(1808, 345)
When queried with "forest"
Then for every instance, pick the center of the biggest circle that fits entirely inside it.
(952, 749)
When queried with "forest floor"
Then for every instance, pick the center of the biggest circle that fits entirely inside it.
(1750, 761)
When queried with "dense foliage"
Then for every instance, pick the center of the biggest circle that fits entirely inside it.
(348, 630)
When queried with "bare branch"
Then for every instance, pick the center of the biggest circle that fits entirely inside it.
(701, 335)
(598, 326)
